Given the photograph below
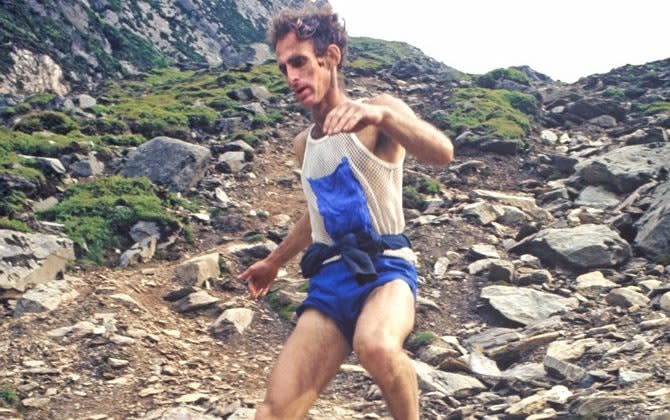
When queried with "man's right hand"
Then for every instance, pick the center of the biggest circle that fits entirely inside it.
(259, 276)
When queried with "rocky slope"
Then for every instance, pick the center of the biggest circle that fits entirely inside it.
(61, 45)
(543, 249)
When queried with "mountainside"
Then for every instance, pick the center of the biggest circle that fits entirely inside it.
(70, 44)
(127, 212)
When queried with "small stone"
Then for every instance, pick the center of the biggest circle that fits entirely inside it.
(626, 298)
(627, 376)
(117, 363)
(192, 398)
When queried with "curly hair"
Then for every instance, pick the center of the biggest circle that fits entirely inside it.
(320, 24)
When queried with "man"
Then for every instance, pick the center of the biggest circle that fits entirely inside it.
(363, 282)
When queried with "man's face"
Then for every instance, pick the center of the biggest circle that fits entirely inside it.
(308, 76)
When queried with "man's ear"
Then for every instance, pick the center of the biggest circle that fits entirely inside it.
(333, 55)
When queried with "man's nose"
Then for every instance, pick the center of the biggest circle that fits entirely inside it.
(291, 75)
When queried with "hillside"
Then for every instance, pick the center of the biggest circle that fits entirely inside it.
(69, 45)
(128, 210)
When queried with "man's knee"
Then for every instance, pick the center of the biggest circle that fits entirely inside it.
(377, 354)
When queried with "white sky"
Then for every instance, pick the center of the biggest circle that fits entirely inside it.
(564, 39)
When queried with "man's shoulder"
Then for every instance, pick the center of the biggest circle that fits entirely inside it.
(386, 99)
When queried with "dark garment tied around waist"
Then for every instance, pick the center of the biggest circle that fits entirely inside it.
(357, 251)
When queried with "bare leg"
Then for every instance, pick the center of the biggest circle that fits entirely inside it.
(309, 360)
(386, 320)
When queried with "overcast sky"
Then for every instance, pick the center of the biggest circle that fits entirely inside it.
(564, 39)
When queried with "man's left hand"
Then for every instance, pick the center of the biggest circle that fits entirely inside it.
(352, 116)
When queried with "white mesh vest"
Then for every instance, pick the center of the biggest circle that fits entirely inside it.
(380, 181)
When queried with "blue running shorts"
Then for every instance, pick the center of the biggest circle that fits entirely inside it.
(335, 292)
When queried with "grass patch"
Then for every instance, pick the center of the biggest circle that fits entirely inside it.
(654, 108)
(412, 199)
(14, 165)
(369, 54)
(56, 122)
(43, 143)
(98, 215)
(429, 185)
(490, 79)
(13, 203)
(420, 339)
(285, 311)
(8, 396)
(11, 224)
(498, 112)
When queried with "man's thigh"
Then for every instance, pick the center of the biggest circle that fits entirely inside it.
(310, 358)
(388, 314)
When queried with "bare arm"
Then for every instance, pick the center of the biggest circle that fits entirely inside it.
(260, 275)
(397, 123)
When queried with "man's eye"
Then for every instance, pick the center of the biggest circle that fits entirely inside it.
(299, 62)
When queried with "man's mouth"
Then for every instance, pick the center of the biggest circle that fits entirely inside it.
(301, 92)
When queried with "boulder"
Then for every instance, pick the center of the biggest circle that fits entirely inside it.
(526, 306)
(431, 379)
(585, 246)
(231, 321)
(46, 297)
(196, 271)
(520, 201)
(176, 164)
(28, 259)
(598, 197)
(626, 168)
(653, 228)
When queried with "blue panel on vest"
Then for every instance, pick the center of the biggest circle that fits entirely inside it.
(341, 202)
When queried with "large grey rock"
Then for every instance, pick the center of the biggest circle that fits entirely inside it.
(46, 297)
(526, 306)
(231, 321)
(176, 164)
(195, 301)
(196, 271)
(249, 93)
(626, 168)
(584, 246)
(523, 202)
(448, 383)
(598, 197)
(625, 298)
(88, 166)
(653, 234)
(28, 259)
(563, 369)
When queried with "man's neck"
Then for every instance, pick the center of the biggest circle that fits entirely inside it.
(333, 98)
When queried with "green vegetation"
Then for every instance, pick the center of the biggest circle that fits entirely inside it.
(285, 311)
(42, 143)
(14, 165)
(374, 54)
(615, 93)
(56, 122)
(489, 79)
(420, 339)
(99, 214)
(654, 108)
(13, 203)
(103, 126)
(11, 224)
(412, 199)
(499, 112)
(8, 396)
(429, 185)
